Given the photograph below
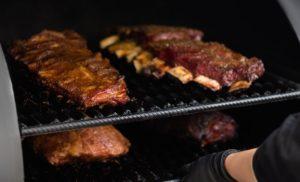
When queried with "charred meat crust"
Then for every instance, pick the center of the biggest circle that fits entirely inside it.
(212, 60)
(211, 64)
(90, 144)
(62, 62)
(154, 33)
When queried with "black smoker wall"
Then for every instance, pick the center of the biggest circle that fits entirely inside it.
(254, 27)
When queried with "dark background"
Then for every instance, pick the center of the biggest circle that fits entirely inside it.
(253, 27)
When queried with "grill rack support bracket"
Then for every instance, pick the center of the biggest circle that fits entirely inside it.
(11, 165)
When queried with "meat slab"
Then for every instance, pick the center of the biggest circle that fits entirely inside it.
(204, 128)
(157, 50)
(154, 33)
(63, 62)
(213, 61)
(90, 144)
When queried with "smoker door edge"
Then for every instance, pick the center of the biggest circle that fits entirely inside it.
(11, 160)
(292, 10)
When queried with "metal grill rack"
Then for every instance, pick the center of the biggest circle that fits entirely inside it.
(41, 111)
(152, 157)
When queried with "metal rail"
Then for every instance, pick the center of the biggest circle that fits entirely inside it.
(138, 117)
(292, 10)
(11, 159)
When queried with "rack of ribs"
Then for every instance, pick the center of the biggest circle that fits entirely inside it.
(63, 63)
(89, 144)
(204, 128)
(154, 33)
(157, 50)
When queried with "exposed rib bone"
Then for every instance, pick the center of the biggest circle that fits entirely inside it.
(181, 73)
(239, 85)
(142, 61)
(109, 41)
(207, 82)
(159, 67)
(122, 49)
(132, 54)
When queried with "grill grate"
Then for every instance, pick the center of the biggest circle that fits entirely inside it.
(153, 157)
(41, 111)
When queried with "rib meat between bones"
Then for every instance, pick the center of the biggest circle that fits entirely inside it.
(89, 144)
(157, 50)
(62, 61)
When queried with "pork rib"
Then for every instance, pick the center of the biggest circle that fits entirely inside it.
(89, 144)
(62, 61)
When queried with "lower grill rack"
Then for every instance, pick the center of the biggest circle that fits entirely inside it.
(154, 158)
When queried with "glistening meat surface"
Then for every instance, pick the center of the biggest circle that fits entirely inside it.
(212, 60)
(157, 50)
(62, 61)
(90, 144)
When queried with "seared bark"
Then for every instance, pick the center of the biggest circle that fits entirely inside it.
(89, 144)
(62, 61)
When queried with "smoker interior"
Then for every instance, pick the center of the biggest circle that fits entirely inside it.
(251, 27)
(155, 157)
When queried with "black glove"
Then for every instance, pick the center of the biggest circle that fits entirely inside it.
(209, 168)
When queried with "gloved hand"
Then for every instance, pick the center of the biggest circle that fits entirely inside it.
(209, 168)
